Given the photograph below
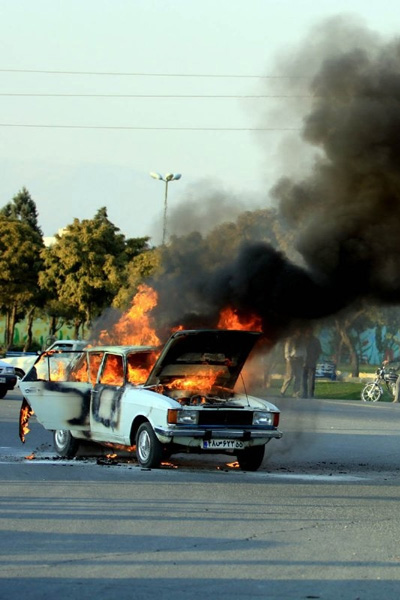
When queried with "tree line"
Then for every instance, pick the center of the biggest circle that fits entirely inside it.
(92, 266)
(87, 269)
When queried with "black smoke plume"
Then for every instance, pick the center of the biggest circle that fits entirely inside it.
(342, 207)
(345, 211)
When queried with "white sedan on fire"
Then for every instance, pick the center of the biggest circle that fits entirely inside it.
(181, 399)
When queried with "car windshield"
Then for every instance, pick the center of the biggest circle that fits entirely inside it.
(139, 365)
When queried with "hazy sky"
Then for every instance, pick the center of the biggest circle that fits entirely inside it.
(80, 69)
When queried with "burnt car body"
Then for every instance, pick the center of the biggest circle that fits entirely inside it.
(181, 399)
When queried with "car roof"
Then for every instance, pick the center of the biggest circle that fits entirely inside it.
(69, 342)
(120, 349)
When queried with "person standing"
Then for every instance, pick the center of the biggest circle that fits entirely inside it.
(295, 355)
(313, 351)
(395, 362)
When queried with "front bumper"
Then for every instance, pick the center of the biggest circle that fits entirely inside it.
(9, 381)
(244, 435)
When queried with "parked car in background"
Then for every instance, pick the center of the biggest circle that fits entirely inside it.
(8, 378)
(178, 399)
(326, 370)
(23, 361)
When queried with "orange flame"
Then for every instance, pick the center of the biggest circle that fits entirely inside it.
(135, 327)
(50, 367)
(137, 375)
(58, 371)
(30, 457)
(80, 374)
(24, 415)
(120, 447)
(204, 381)
(229, 319)
(113, 374)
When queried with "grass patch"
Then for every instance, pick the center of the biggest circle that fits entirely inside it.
(338, 390)
(333, 390)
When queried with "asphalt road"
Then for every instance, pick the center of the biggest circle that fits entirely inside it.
(320, 519)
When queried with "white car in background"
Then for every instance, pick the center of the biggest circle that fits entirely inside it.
(182, 401)
(23, 361)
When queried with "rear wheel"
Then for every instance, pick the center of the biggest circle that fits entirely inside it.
(149, 450)
(64, 444)
(371, 392)
(250, 459)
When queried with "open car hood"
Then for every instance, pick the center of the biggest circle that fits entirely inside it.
(194, 353)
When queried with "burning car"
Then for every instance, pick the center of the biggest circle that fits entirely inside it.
(181, 399)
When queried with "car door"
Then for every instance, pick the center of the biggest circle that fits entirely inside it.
(105, 404)
(59, 403)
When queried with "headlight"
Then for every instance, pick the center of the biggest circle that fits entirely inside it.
(10, 370)
(266, 419)
(182, 416)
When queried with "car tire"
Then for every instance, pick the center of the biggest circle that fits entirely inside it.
(250, 459)
(20, 373)
(3, 391)
(64, 444)
(149, 450)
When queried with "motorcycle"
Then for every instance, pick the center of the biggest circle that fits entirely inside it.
(384, 380)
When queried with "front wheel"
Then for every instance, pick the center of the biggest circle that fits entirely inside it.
(149, 450)
(371, 392)
(64, 444)
(250, 459)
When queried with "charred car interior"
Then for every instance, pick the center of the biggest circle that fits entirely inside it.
(180, 398)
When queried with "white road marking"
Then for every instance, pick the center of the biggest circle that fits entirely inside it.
(317, 477)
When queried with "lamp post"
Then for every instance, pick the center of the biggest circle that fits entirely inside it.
(167, 178)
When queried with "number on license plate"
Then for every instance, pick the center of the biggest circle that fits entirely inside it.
(222, 445)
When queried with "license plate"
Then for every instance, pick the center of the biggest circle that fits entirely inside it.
(222, 445)
(2, 379)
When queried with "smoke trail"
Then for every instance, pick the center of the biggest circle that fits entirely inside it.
(345, 211)
(339, 206)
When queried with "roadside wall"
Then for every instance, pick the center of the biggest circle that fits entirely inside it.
(40, 332)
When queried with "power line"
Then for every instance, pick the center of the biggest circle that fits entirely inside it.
(140, 74)
(235, 96)
(132, 128)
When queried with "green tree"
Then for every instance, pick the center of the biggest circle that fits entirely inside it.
(85, 268)
(387, 328)
(141, 267)
(261, 225)
(23, 208)
(351, 323)
(346, 324)
(20, 263)
(135, 246)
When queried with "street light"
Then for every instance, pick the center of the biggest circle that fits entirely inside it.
(168, 177)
